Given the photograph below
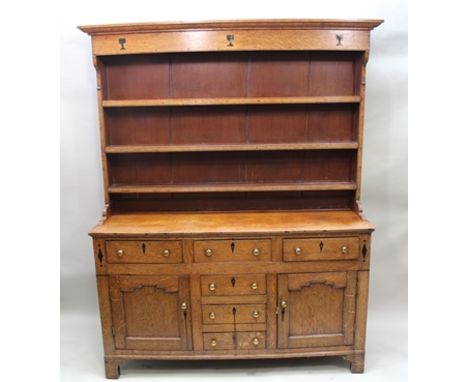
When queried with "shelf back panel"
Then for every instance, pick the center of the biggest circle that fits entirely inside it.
(230, 74)
(336, 200)
(231, 124)
(232, 167)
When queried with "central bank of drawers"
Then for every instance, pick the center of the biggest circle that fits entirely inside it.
(233, 311)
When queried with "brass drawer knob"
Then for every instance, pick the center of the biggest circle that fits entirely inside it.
(344, 249)
(209, 252)
(183, 306)
(166, 253)
(212, 315)
(255, 341)
(298, 251)
(120, 252)
(254, 286)
(284, 304)
(212, 286)
(213, 342)
(255, 314)
(256, 252)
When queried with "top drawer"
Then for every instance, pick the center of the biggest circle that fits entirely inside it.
(151, 251)
(336, 248)
(232, 250)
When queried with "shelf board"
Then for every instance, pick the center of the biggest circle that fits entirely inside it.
(229, 101)
(231, 187)
(216, 222)
(128, 149)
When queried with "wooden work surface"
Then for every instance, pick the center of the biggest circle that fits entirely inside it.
(188, 223)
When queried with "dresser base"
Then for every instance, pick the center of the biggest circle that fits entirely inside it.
(296, 288)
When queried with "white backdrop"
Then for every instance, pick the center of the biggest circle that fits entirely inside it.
(384, 182)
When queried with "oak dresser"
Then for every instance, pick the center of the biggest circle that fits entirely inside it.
(231, 157)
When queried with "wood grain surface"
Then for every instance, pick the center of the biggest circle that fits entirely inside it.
(231, 222)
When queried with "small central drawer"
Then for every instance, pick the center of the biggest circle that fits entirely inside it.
(232, 250)
(233, 314)
(234, 340)
(148, 251)
(330, 248)
(225, 285)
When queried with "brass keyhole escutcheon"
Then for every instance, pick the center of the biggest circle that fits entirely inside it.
(256, 252)
(230, 39)
(255, 341)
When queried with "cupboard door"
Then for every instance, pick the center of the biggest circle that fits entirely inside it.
(316, 309)
(151, 312)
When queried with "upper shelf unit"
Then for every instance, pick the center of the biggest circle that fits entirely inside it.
(191, 121)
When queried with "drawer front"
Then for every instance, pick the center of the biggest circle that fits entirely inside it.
(234, 341)
(337, 248)
(226, 285)
(232, 250)
(230, 314)
(150, 251)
